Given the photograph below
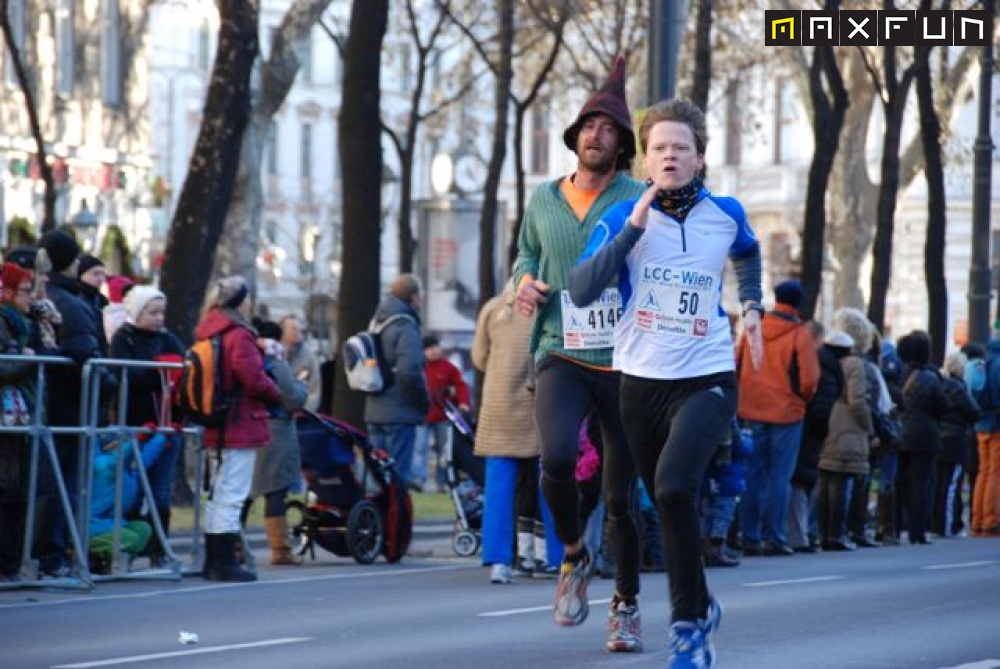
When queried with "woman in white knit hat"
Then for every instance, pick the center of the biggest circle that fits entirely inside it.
(143, 337)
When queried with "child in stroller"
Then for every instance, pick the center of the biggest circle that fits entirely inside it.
(465, 476)
(355, 504)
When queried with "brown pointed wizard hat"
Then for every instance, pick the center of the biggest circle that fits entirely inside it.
(609, 99)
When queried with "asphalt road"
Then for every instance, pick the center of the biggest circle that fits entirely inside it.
(907, 608)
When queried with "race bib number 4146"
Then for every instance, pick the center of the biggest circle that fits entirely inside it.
(591, 326)
(672, 301)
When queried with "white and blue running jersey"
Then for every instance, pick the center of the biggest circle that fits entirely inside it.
(672, 324)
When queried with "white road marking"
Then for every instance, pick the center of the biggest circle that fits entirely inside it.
(959, 565)
(532, 609)
(794, 581)
(90, 598)
(133, 659)
(982, 664)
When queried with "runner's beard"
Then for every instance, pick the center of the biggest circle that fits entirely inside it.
(603, 163)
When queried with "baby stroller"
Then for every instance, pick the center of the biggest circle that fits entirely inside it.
(466, 493)
(354, 503)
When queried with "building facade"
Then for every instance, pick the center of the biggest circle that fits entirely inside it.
(85, 67)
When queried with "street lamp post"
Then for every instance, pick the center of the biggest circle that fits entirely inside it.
(86, 224)
(980, 282)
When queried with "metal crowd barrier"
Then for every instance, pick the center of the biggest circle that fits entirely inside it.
(88, 434)
(41, 438)
(90, 412)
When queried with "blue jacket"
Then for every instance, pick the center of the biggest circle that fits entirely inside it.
(991, 421)
(102, 502)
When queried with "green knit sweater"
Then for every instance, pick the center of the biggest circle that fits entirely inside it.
(550, 242)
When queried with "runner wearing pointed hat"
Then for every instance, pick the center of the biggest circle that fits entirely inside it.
(572, 353)
(609, 100)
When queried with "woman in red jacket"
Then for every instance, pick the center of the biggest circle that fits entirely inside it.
(251, 391)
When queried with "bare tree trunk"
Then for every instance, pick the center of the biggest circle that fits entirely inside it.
(361, 148)
(49, 196)
(852, 196)
(893, 107)
(238, 252)
(488, 218)
(557, 26)
(830, 102)
(207, 191)
(937, 288)
(701, 81)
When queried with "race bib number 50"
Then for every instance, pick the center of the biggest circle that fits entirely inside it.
(591, 326)
(672, 301)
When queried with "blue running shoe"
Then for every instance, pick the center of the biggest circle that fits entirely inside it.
(687, 646)
(708, 626)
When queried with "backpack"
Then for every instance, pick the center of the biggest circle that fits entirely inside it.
(201, 393)
(977, 377)
(366, 367)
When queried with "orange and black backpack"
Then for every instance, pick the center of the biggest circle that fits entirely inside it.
(201, 394)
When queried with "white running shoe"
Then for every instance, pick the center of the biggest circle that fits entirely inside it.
(501, 574)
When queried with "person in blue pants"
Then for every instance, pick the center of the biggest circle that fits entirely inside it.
(506, 435)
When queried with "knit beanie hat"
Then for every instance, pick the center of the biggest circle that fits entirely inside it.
(21, 255)
(609, 99)
(788, 292)
(89, 262)
(116, 288)
(268, 330)
(228, 293)
(13, 275)
(61, 247)
(138, 299)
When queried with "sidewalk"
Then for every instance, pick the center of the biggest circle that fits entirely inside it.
(431, 538)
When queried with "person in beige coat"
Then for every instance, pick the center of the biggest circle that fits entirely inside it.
(507, 438)
(843, 462)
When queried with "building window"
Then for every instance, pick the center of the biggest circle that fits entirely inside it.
(204, 45)
(111, 74)
(15, 12)
(305, 152)
(734, 138)
(64, 48)
(307, 61)
(540, 137)
(272, 148)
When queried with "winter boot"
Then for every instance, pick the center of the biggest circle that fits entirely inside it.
(887, 532)
(542, 566)
(525, 564)
(157, 553)
(716, 554)
(277, 539)
(225, 567)
(211, 555)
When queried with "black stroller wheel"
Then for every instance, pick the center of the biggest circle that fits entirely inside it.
(365, 533)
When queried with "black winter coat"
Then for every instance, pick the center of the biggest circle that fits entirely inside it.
(145, 385)
(962, 412)
(79, 337)
(817, 420)
(926, 402)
